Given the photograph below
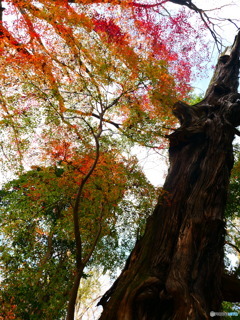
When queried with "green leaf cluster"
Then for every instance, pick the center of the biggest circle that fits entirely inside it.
(37, 240)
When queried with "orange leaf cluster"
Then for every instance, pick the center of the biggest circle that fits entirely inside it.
(97, 63)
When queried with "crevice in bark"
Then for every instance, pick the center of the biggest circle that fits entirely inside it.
(176, 270)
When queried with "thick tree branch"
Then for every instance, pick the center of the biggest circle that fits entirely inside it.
(225, 78)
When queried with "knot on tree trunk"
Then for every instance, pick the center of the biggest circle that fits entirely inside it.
(231, 108)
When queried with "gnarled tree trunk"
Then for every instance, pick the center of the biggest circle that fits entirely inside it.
(175, 271)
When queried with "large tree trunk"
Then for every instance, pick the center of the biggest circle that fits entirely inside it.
(175, 270)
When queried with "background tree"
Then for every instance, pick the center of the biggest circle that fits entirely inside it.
(38, 249)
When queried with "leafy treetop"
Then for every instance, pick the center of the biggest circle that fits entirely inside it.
(90, 64)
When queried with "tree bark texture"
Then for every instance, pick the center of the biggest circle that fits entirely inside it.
(175, 271)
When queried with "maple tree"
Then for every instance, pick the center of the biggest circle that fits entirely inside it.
(38, 247)
(82, 81)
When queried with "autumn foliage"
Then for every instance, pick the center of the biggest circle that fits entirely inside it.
(67, 61)
(82, 82)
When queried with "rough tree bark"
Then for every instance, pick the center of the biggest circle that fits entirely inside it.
(176, 270)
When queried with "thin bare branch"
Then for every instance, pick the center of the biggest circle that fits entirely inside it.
(233, 246)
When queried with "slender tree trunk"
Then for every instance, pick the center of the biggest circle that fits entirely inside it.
(175, 270)
(73, 295)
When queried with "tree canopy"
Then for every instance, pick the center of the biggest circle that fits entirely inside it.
(82, 83)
